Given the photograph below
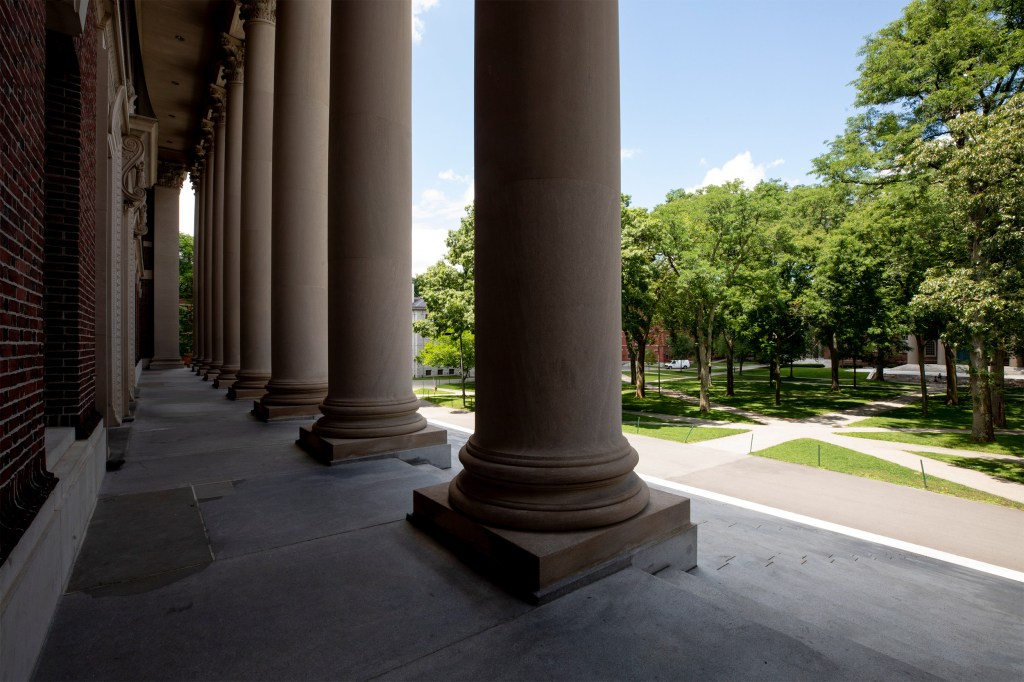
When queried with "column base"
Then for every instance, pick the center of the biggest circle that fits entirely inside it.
(429, 445)
(267, 413)
(211, 374)
(235, 393)
(165, 363)
(224, 382)
(540, 567)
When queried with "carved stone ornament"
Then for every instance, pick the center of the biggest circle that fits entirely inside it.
(207, 143)
(218, 98)
(234, 58)
(258, 10)
(133, 175)
(171, 175)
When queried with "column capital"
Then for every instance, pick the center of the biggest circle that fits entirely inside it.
(218, 102)
(258, 10)
(234, 58)
(170, 174)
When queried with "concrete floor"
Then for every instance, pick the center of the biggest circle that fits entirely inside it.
(221, 551)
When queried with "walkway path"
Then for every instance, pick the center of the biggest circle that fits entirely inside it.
(976, 530)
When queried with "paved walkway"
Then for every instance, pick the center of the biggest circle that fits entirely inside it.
(220, 551)
(976, 530)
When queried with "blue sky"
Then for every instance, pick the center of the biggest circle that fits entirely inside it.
(711, 90)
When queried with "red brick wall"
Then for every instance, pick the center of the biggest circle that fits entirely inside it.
(69, 308)
(24, 482)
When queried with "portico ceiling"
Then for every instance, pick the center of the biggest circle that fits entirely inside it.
(180, 49)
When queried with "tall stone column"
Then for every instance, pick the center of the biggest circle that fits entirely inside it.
(257, 204)
(548, 493)
(165, 268)
(233, 76)
(370, 407)
(298, 281)
(197, 260)
(207, 264)
(217, 238)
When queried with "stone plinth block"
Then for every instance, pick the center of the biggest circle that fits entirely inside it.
(223, 383)
(544, 566)
(268, 413)
(165, 363)
(428, 445)
(211, 375)
(235, 393)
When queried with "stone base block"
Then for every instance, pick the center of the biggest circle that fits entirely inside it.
(246, 393)
(224, 383)
(165, 363)
(268, 413)
(541, 567)
(430, 445)
(211, 374)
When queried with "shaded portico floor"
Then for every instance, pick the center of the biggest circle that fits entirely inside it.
(221, 551)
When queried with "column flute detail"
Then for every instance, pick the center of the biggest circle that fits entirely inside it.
(298, 282)
(257, 204)
(166, 275)
(217, 237)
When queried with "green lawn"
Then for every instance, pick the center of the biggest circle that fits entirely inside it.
(835, 458)
(453, 400)
(943, 416)
(1003, 445)
(682, 434)
(800, 399)
(666, 404)
(1006, 469)
(801, 372)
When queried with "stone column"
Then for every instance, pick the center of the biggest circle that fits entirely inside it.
(207, 264)
(197, 263)
(233, 75)
(548, 459)
(217, 239)
(298, 297)
(165, 268)
(257, 206)
(370, 407)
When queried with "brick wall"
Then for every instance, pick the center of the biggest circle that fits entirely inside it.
(69, 308)
(24, 482)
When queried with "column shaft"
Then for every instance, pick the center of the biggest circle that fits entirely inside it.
(208, 192)
(217, 252)
(232, 218)
(548, 453)
(165, 271)
(197, 262)
(257, 204)
(298, 299)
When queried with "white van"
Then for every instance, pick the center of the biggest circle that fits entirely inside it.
(678, 364)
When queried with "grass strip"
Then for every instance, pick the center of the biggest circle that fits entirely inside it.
(941, 415)
(666, 404)
(845, 461)
(1005, 469)
(682, 434)
(1003, 445)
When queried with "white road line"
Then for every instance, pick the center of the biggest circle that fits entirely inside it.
(844, 530)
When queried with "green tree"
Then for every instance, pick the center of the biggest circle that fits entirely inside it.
(643, 278)
(186, 294)
(447, 290)
(939, 88)
(712, 235)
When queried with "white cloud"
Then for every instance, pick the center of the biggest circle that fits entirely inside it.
(740, 167)
(434, 213)
(628, 153)
(452, 175)
(418, 8)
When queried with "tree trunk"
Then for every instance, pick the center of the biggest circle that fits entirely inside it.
(855, 371)
(879, 366)
(641, 379)
(777, 363)
(462, 372)
(981, 395)
(704, 369)
(952, 394)
(998, 387)
(729, 346)
(919, 340)
(833, 355)
(632, 362)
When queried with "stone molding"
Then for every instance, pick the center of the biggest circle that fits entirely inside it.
(234, 58)
(258, 10)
